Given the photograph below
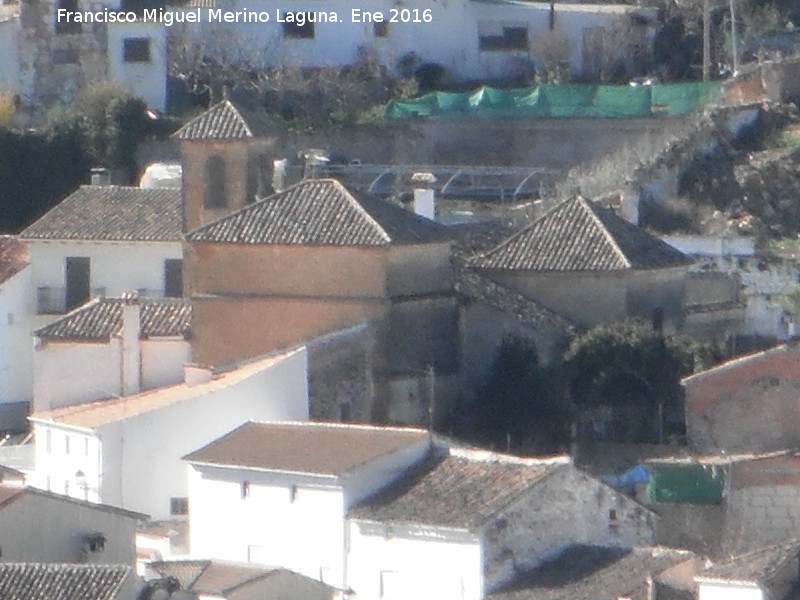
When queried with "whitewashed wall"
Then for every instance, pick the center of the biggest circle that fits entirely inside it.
(397, 558)
(119, 267)
(59, 461)
(142, 467)
(303, 531)
(148, 80)
(71, 373)
(728, 591)
(163, 360)
(17, 303)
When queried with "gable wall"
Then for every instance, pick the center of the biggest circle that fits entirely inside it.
(568, 507)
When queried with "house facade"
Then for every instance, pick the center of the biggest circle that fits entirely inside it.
(52, 57)
(745, 405)
(95, 450)
(40, 526)
(278, 493)
(591, 266)
(111, 347)
(470, 39)
(470, 521)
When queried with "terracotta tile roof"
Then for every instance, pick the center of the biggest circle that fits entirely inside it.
(112, 213)
(215, 578)
(453, 491)
(101, 319)
(223, 121)
(13, 257)
(753, 567)
(330, 449)
(90, 415)
(578, 235)
(594, 573)
(36, 581)
(321, 212)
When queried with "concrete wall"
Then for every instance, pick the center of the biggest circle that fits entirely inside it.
(162, 361)
(38, 528)
(568, 507)
(729, 591)
(392, 560)
(748, 405)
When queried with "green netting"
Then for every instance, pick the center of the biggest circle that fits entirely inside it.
(692, 484)
(564, 101)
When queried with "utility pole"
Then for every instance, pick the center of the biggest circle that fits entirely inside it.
(734, 39)
(431, 376)
(706, 40)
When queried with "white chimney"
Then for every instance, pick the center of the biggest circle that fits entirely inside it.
(196, 374)
(424, 197)
(101, 176)
(131, 348)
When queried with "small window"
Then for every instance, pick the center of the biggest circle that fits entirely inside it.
(96, 542)
(173, 278)
(496, 37)
(215, 196)
(136, 50)
(65, 56)
(612, 515)
(245, 489)
(380, 29)
(293, 492)
(298, 27)
(179, 506)
(65, 21)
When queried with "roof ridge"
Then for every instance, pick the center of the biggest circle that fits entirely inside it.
(360, 209)
(591, 207)
(240, 115)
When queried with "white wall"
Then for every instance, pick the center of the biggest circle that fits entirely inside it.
(119, 267)
(17, 303)
(9, 49)
(398, 558)
(142, 467)
(67, 373)
(148, 80)
(303, 532)
(57, 469)
(163, 360)
(728, 591)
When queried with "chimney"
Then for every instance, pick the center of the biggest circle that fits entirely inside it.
(131, 348)
(424, 197)
(101, 176)
(196, 374)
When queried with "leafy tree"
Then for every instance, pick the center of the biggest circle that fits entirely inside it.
(631, 364)
(523, 405)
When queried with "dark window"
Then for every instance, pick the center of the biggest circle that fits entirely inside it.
(66, 23)
(293, 491)
(612, 515)
(179, 506)
(506, 39)
(293, 28)
(380, 29)
(65, 56)
(173, 278)
(245, 489)
(96, 542)
(215, 183)
(136, 50)
(78, 272)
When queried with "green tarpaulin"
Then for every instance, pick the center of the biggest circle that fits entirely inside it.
(691, 484)
(561, 101)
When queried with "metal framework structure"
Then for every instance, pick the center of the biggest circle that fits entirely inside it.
(504, 183)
